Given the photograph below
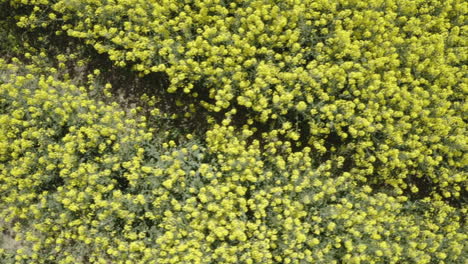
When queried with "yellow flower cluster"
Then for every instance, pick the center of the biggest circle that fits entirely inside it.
(341, 135)
(381, 83)
(84, 182)
(62, 156)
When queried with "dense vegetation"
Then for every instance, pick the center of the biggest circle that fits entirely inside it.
(210, 131)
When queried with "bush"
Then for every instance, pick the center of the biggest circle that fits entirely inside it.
(85, 182)
(334, 132)
(380, 84)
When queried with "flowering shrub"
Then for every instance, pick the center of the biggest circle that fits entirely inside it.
(380, 83)
(336, 134)
(84, 182)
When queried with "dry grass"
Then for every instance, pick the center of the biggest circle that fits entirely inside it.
(7, 238)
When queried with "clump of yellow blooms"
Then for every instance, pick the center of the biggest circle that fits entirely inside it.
(380, 83)
(337, 135)
(85, 182)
